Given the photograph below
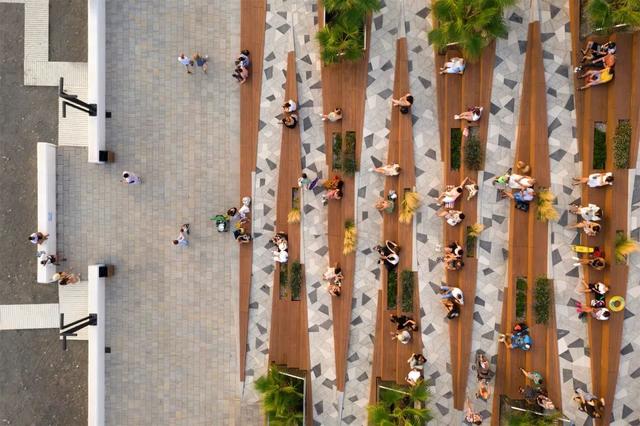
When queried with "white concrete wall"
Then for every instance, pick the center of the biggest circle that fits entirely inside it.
(96, 372)
(46, 165)
(96, 30)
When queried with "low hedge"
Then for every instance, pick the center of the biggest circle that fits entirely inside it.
(521, 298)
(284, 279)
(599, 149)
(622, 144)
(455, 148)
(407, 290)
(542, 300)
(392, 289)
(336, 149)
(295, 279)
(349, 165)
(473, 153)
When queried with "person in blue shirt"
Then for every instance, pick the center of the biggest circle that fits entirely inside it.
(518, 339)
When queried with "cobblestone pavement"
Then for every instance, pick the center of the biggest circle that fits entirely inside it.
(171, 311)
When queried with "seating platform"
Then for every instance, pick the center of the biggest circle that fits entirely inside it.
(46, 163)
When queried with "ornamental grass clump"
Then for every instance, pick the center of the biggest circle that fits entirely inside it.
(294, 216)
(542, 300)
(410, 203)
(473, 153)
(350, 238)
(475, 230)
(621, 145)
(624, 247)
(546, 211)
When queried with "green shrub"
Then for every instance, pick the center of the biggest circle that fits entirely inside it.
(349, 165)
(621, 145)
(472, 24)
(455, 148)
(599, 149)
(521, 298)
(392, 289)
(528, 418)
(407, 290)
(542, 300)
(405, 406)
(473, 153)
(295, 278)
(284, 274)
(336, 149)
(604, 15)
(282, 397)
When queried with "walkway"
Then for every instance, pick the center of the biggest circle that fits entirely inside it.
(171, 311)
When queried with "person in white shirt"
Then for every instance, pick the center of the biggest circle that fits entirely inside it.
(595, 180)
(129, 178)
(590, 212)
(182, 239)
(452, 217)
(280, 256)
(289, 106)
(186, 62)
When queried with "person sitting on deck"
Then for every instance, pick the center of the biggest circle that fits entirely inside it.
(404, 103)
(280, 256)
(598, 290)
(387, 169)
(243, 59)
(332, 273)
(597, 310)
(290, 121)
(534, 376)
(596, 262)
(471, 187)
(606, 61)
(280, 240)
(597, 77)
(451, 193)
(471, 114)
(521, 198)
(453, 250)
(403, 336)
(390, 260)
(403, 322)
(518, 339)
(333, 116)
(241, 74)
(387, 205)
(289, 106)
(414, 377)
(543, 400)
(453, 264)
(454, 65)
(241, 237)
(417, 361)
(591, 229)
(452, 293)
(595, 50)
(589, 403)
(471, 416)
(335, 288)
(594, 180)
(591, 212)
(334, 194)
(452, 217)
(453, 308)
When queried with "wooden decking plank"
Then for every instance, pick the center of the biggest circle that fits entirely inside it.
(252, 25)
(344, 86)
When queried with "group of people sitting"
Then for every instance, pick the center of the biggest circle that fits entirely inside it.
(388, 254)
(388, 203)
(519, 338)
(595, 259)
(281, 253)
(451, 298)
(236, 219)
(518, 187)
(416, 364)
(404, 326)
(289, 114)
(333, 275)
(451, 193)
(598, 305)
(535, 394)
(452, 258)
(241, 72)
(454, 65)
(334, 188)
(591, 215)
(598, 63)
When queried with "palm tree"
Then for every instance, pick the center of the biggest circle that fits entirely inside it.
(398, 407)
(606, 14)
(282, 399)
(343, 39)
(472, 24)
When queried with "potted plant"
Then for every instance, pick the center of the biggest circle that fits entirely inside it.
(282, 397)
(470, 24)
(401, 406)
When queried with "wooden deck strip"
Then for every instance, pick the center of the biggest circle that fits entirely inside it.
(608, 103)
(288, 339)
(460, 92)
(528, 240)
(344, 86)
(390, 357)
(252, 25)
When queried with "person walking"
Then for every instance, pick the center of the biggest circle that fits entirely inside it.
(129, 178)
(201, 61)
(38, 237)
(182, 239)
(186, 62)
(65, 278)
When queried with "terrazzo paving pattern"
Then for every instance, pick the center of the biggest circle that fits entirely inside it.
(573, 340)
(368, 220)
(266, 179)
(493, 243)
